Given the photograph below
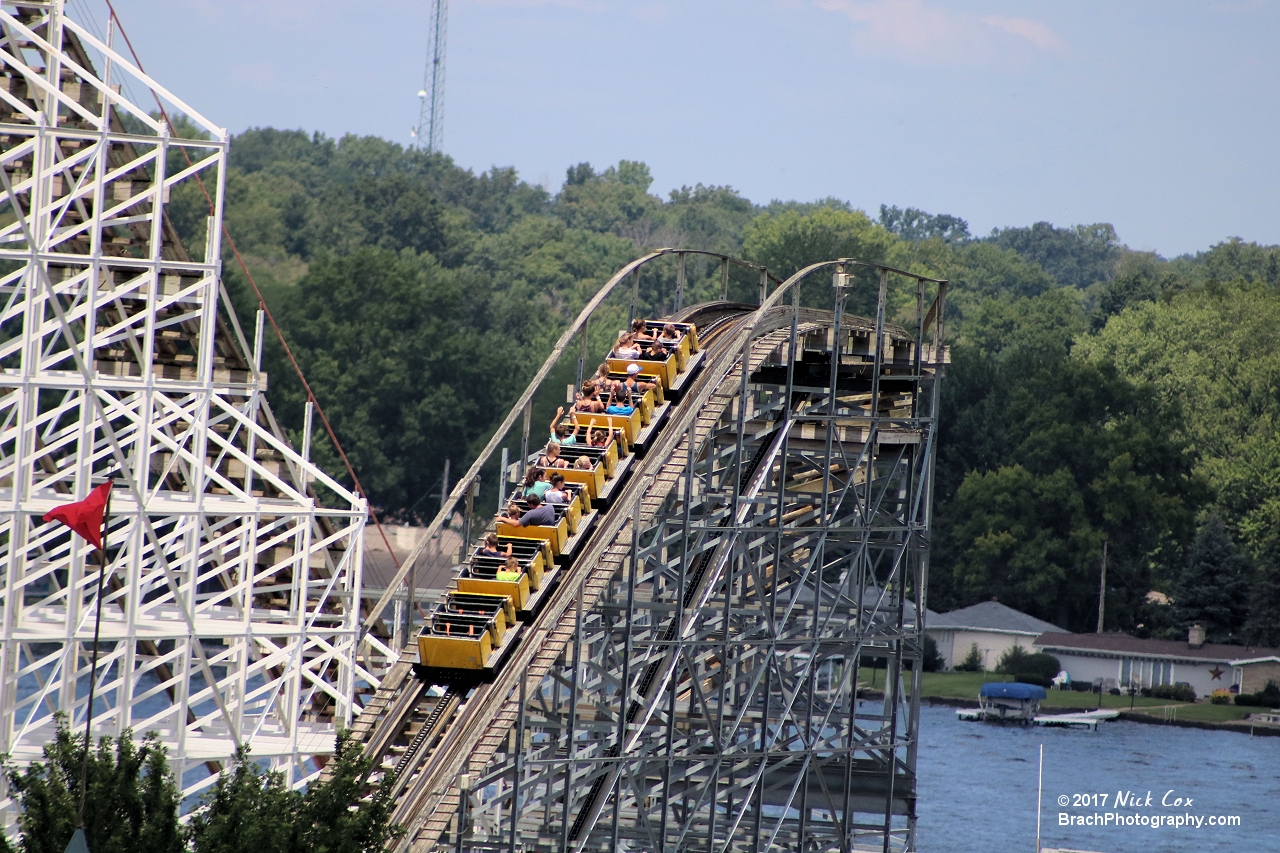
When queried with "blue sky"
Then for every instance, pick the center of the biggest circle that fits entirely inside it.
(1159, 117)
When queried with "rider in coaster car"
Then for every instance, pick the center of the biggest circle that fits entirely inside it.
(539, 514)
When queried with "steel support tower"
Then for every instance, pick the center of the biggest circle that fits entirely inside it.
(700, 680)
(231, 609)
(708, 698)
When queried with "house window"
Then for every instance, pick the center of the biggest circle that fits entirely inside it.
(1126, 670)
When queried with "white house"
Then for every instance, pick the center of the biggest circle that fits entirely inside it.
(1119, 660)
(991, 626)
(1253, 671)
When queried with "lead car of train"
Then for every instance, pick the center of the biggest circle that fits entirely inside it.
(478, 621)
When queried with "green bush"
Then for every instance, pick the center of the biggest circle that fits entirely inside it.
(1267, 697)
(251, 809)
(1175, 692)
(932, 658)
(134, 796)
(1222, 700)
(972, 661)
(1018, 660)
(132, 803)
(1033, 678)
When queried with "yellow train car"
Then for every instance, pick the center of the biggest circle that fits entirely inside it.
(555, 535)
(516, 590)
(477, 623)
(466, 630)
(663, 372)
(628, 425)
(592, 481)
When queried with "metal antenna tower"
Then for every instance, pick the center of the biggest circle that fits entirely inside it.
(429, 134)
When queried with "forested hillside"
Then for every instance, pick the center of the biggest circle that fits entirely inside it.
(1097, 394)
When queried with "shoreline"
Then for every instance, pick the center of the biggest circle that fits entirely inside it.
(1243, 727)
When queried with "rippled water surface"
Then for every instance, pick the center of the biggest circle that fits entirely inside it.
(978, 786)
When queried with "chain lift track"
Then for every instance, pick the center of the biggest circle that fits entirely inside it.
(694, 682)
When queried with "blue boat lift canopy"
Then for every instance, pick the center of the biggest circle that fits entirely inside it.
(1012, 690)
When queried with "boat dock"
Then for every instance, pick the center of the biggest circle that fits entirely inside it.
(1083, 719)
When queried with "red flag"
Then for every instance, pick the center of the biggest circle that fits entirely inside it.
(84, 517)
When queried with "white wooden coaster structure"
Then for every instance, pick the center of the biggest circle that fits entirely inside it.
(231, 612)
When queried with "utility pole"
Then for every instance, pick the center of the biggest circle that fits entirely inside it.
(1102, 588)
(444, 484)
(429, 134)
(502, 481)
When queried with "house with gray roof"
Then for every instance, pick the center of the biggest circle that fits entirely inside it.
(990, 626)
(1125, 662)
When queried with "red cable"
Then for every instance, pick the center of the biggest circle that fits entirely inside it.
(262, 303)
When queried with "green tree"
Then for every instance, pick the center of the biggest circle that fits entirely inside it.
(408, 360)
(1043, 457)
(972, 660)
(249, 810)
(978, 272)
(788, 241)
(609, 201)
(543, 272)
(1016, 660)
(932, 659)
(806, 208)
(1024, 539)
(985, 270)
(1140, 277)
(915, 224)
(1213, 353)
(492, 201)
(291, 196)
(1263, 627)
(1075, 257)
(1236, 260)
(327, 821)
(711, 218)
(1213, 589)
(131, 804)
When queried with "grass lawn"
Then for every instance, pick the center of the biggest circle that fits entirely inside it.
(942, 685)
(1204, 712)
(965, 685)
(956, 685)
(1072, 699)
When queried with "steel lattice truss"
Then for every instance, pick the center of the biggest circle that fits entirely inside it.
(230, 611)
(708, 700)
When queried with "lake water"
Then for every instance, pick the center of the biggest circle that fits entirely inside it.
(977, 786)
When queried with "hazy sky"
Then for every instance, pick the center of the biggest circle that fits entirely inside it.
(1159, 117)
